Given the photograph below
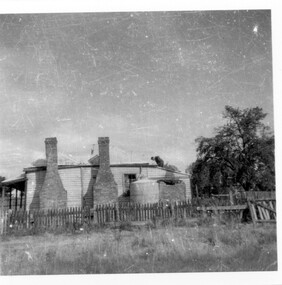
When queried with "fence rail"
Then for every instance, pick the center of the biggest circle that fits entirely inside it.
(263, 210)
(241, 197)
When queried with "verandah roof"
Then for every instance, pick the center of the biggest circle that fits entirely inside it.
(16, 182)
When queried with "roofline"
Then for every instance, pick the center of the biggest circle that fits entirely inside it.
(13, 181)
(163, 178)
(173, 171)
(40, 168)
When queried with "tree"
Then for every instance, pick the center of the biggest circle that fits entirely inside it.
(241, 152)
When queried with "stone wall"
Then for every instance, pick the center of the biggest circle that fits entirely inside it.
(172, 193)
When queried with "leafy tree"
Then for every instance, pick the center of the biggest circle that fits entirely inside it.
(241, 152)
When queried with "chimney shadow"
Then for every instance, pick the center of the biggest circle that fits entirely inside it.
(88, 196)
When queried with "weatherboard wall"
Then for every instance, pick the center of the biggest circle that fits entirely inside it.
(34, 184)
(79, 182)
(119, 173)
(72, 184)
(71, 179)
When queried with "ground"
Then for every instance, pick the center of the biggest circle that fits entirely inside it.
(168, 247)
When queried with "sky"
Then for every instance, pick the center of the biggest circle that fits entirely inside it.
(151, 81)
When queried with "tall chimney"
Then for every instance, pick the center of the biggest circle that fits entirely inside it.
(105, 189)
(53, 194)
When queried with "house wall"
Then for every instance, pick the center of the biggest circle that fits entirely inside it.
(119, 173)
(33, 186)
(79, 182)
(71, 179)
(88, 178)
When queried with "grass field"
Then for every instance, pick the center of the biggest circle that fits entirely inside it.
(186, 247)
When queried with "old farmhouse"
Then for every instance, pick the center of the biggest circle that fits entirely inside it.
(99, 182)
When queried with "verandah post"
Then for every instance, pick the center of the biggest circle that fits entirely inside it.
(3, 198)
(16, 204)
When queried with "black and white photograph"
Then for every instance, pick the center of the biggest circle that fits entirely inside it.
(138, 141)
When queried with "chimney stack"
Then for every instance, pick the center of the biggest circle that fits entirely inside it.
(52, 194)
(51, 152)
(105, 188)
(104, 152)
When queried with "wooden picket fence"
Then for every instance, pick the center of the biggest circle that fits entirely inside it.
(15, 221)
(80, 218)
(11, 221)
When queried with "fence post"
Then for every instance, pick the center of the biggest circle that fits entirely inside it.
(173, 210)
(251, 211)
(231, 196)
(5, 225)
(3, 222)
(204, 212)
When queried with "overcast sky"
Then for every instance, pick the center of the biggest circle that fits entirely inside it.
(151, 81)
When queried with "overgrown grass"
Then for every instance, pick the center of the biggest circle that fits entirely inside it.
(203, 245)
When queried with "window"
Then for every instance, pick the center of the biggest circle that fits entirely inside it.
(128, 179)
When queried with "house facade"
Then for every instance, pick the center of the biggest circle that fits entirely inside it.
(61, 186)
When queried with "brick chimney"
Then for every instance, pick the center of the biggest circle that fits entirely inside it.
(105, 189)
(52, 194)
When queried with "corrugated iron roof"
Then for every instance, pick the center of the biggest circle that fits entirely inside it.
(15, 180)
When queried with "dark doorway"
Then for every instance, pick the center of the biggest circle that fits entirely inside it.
(128, 179)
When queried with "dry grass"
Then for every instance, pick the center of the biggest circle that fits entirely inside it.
(191, 246)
